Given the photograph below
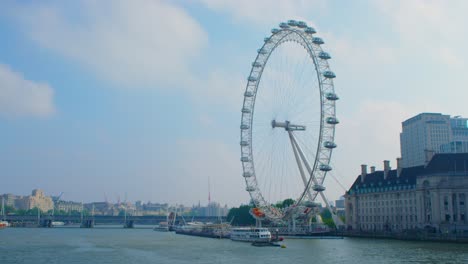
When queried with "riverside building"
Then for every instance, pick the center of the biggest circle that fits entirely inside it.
(427, 196)
(37, 199)
(427, 190)
(432, 132)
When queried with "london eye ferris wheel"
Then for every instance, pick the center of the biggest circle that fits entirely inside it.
(288, 122)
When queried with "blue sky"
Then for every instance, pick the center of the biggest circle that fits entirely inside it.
(103, 98)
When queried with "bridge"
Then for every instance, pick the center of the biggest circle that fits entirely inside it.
(109, 220)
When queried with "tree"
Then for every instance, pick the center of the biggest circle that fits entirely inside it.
(327, 218)
(285, 203)
(33, 211)
(288, 202)
(241, 216)
(9, 210)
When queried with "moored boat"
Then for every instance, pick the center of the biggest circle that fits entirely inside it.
(250, 234)
(212, 230)
(57, 223)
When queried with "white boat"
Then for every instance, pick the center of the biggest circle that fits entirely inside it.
(190, 226)
(250, 234)
(57, 223)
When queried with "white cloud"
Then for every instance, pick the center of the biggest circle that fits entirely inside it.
(219, 88)
(203, 160)
(130, 43)
(367, 136)
(432, 28)
(21, 97)
(265, 12)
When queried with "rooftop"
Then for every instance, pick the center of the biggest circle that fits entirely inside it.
(440, 163)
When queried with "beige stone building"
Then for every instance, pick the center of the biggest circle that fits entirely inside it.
(9, 199)
(431, 196)
(68, 206)
(37, 199)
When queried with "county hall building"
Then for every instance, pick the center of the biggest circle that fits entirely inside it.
(428, 188)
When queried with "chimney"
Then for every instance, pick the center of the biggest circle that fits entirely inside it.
(398, 164)
(429, 154)
(372, 169)
(386, 168)
(363, 172)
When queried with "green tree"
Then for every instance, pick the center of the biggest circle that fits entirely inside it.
(288, 202)
(241, 216)
(33, 211)
(285, 203)
(75, 212)
(326, 214)
(9, 210)
(327, 218)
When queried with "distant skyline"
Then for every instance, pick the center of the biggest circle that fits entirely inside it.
(107, 98)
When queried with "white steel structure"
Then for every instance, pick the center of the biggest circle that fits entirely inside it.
(288, 122)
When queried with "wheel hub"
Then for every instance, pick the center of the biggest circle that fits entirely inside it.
(287, 126)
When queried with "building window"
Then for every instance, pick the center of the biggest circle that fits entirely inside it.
(446, 203)
(447, 217)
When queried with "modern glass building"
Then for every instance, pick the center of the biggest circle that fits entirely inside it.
(429, 133)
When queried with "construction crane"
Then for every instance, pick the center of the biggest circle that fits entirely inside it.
(56, 199)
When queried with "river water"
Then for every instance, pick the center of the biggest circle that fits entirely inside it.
(107, 245)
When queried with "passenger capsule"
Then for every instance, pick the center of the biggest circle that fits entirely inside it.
(262, 51)
(246, 110)
(244, 127)
(292, 23)
(325, 167)
(248, 94)
(245, 159)
(324, 55)
(283, 25)
(318, 41)
(332, 120)
(247, 174)
(275, 30)
(329, 144)
(250, 188)
(244, 143)
(301, 24)
(318, 188)
(310, 30)
(252, 79)
(256, 64)
(329, 74)
(332, 96)
(312, 204)
(267, 39)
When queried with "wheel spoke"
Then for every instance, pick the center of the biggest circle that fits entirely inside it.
(284, 120)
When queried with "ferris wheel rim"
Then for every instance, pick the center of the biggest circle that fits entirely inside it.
(323, 154)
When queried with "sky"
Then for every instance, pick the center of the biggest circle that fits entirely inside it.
(141, 99)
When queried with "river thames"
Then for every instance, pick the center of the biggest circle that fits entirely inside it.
(107, 245)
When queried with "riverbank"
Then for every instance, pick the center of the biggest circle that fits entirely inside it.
(412, 236)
